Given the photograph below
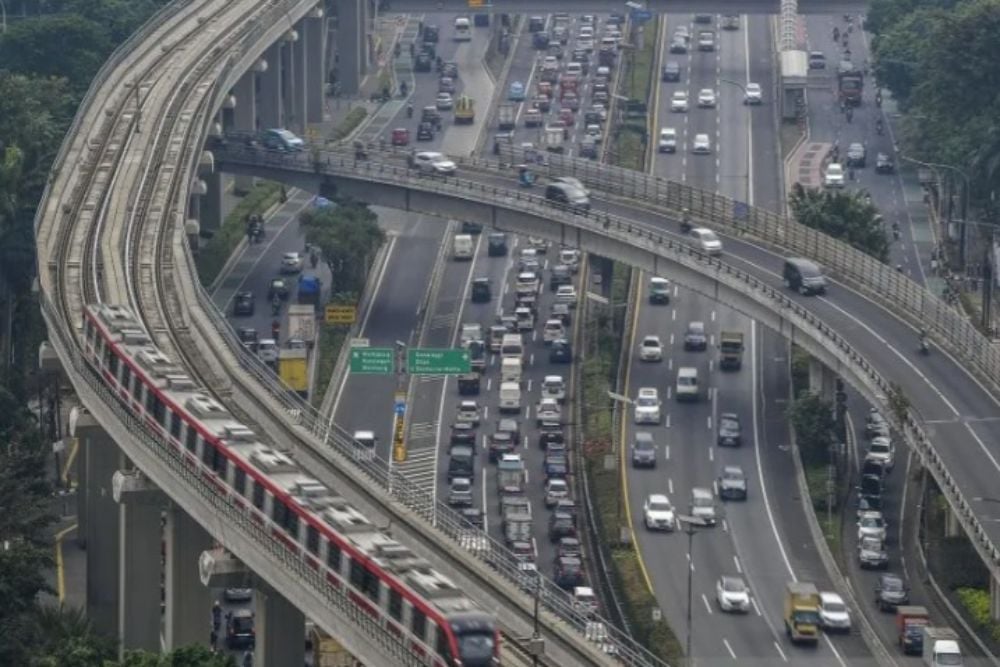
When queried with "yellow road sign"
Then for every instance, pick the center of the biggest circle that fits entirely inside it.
(341, 314)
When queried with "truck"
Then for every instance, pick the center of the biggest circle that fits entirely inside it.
(506, 117)
(310, 289)
(802, 612)
(293, 369)
(554, 137)
(941, 647)
(731, 350)
(465, 110)
(850, 83)
(910, 623)
(302, 323)
(517, 528)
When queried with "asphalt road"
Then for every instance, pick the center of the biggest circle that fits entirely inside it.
(754, 538)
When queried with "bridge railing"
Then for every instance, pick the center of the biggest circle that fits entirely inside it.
(676, 249)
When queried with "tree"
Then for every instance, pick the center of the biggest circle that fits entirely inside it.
(812, 418)
(66, 638)
(843, 215)
(348, 236)
(66, 46)
(185, 656)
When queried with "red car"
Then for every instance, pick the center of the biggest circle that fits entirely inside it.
(400, 137)
(566, 116)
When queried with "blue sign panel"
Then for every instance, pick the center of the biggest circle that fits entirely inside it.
(641, 15)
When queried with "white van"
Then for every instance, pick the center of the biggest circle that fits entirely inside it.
(364, 445)
(687, 384)
(525, 319)
(463, 29)
(464, 247)
(703, 505)
(510, 397)
(510, 369)
(267, 350)
(553, 331)
(512, 346)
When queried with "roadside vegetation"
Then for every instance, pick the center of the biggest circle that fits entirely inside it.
(351, 121)
(631, 137)
(844, 215)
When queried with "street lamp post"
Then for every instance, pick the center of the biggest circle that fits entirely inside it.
(743, 90)
(964, 201)
(689, 523)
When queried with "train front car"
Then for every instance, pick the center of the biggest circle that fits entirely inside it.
(477, 637)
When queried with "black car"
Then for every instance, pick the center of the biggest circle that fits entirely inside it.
(568, 547)
(243, 304)
(561, 352)
(463, 433)
(430, 115)
(482, 292)
(550, 433)
(804, 276)
(536, 23)
(540, 40)
(279, 288)
(890, 592)
(431, 34)
(239, 629)
(695, 338)
(425, 132)
(469, 227)
(730, 432)
(450, 69)
(248, 336)
(561, 525)
(568, 572)
(871, 485)
(473, 515)
(501, 442)
(884, 164)
(702, 18)
(671, 71)
(556, 466)
(856, 155)
(496, 244)
(561, 275)
(423, 63)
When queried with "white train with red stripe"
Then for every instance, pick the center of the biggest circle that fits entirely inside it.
(437, 622)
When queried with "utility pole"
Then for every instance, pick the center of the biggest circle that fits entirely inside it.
(689, 523)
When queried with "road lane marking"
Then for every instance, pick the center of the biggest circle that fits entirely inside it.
(729, 648)
(753, 601)
(707, 605)
(736, 562)
(780, 652)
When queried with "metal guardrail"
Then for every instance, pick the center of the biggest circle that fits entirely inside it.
(894, 291)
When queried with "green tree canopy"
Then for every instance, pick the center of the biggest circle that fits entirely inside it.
(348, 236)
(843, 215)
(185, 656)
(62, 46)
(812, 419)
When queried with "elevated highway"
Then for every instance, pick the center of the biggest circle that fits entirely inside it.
(865, 329)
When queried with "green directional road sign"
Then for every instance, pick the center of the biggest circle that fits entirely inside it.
(372, 360)
(446, 361)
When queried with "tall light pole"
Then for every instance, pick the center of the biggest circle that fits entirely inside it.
(743, 90)
(689, 523)
(3, 17)
(964, 202)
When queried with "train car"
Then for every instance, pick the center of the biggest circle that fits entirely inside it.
(440, 626)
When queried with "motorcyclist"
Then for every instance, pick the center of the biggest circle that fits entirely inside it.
(878, 126)
(216, 615)
(275, 305)
(409, 110)
(878, 98)
(313, 258)
(850, 114)
(275, 329)
(924, 345)
(836, 34)
(686, 220)
(403, 88)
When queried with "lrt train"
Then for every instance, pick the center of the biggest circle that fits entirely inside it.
(439, 625)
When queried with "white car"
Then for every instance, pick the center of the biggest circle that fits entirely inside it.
(679, 101)
(468, 411)
(527, 283)
(668, 140)
(434, 163)
(566, 294)
(658, 513)
(594, 131)
(833, 177)
(574, 182)
(871, 524)
(706, 98)
(650, 349)
(291, 262)
(732, 593)
(833, 613)
(706, 241)
(881, 449)
(548, 410)
(553, 386)
(702, 145)
(445, 101)
(647, 406)
(754, 94)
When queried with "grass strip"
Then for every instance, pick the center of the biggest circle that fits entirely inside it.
(351, 121)
(213, 254)
(331, 340)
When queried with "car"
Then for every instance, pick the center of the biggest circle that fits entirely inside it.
(291, 262)
(817, 60)
(882, 450)
(856, 155)
(659, 290)
(884, 164)
(423, 62)
(561, 352)
(678, 45)
(753, 95)
(540, 40)
(594, 132)
(425, 131)
(566, 294)
(732, 483)
(516, 92)
(248, 337)
(496, 244)
(702, 18)
(468, 411)
(730, 22)
(444, 102)
(682, 32)
(804, 276)
(706, 40)
(833, 177)
(237, 594)
(872, 554)
(643, 450)
(243, 304)
(554, 387)
(706, 98)
(651, 349)
(400, 137)
(536, 23)
(446, 84)
(463, 433)
(561, 525)
(500, 443)
(556, 464)
(875, 424)
(568, 546)
(702, 145)
(431, 162)
(280, 139)
(658, 513)
(695, 338)
(526, 283)
(679, 101)
(668, 140)
(706, 241)
(671, 72)
(561, 312)
(573, 183)
(460, 492)
(871, 524)
(473, 515)
(890, 592)
(732, 593)
(548, 410)
(560, 275)
(833, 613)
(556, 489)
(730, 431)
(647, 406)
(277, 288)
(240, 630)
(267, 350)
(567, 197)
(482, 291)
(568, 572)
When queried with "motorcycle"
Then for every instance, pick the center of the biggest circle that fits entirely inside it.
(359, 151)
(879, 129)
(409, 111)
(313, 259)
(275, 306)
(686, 225)
(525, 177)
(925, 347)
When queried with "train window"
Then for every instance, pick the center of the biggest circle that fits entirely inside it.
(395, 604)
(90, 333)
(371, 586)
(126, 377)
(357, 577)
(258, 495)
(419, 624)
(159, 410)
(286, 518)
(208, 454)
(312, 539)
(240, 481)
(175, 425)
(113, 365)
(192, 439)
(442, 643)
(219, 463)
(137, 387)
(108, 354)
(333, 554)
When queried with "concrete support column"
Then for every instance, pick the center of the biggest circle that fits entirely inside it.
(299, 50)
(189, 603)
(314, 31)
(100, 458)
(80, 470)
(269, 104)
(952, 528)
(280, 629)
(822, 380)
(245, 119)
(211, 206)
(140, 506)
(353, 34)
(994, 599)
